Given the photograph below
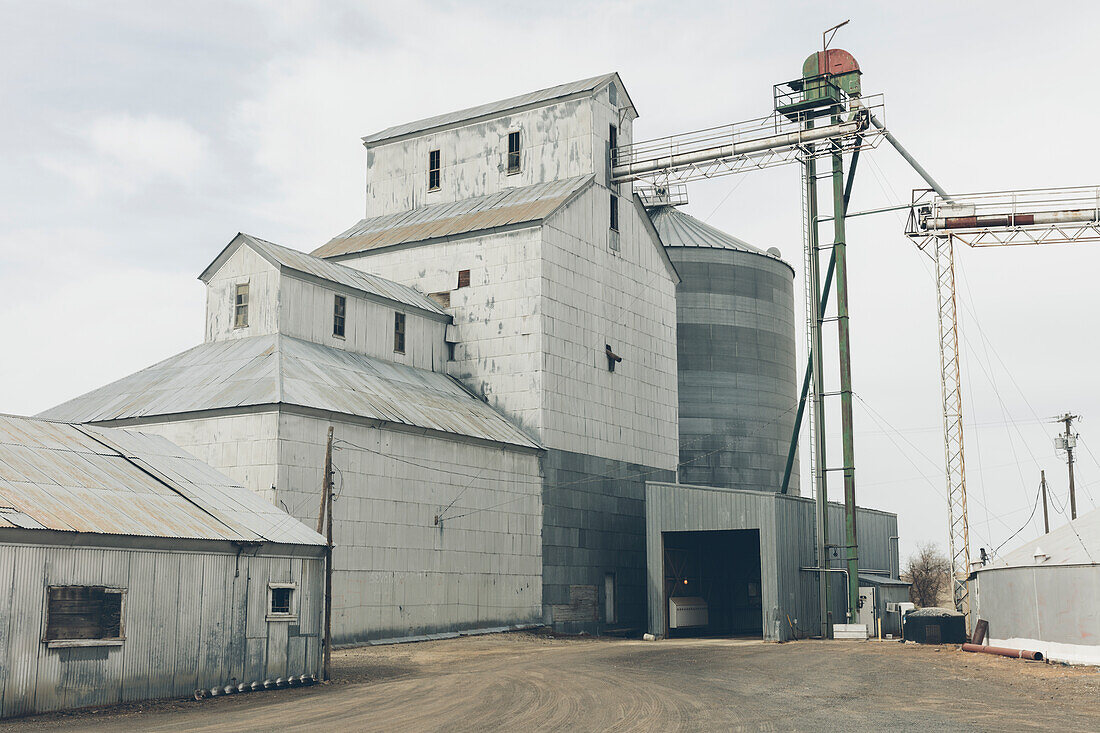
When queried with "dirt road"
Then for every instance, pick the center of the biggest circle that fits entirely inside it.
(524, 682)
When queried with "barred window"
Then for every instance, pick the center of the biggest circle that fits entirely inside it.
(282, 602)
(83, 613)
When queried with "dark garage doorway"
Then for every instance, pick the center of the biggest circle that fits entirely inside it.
(723, 568)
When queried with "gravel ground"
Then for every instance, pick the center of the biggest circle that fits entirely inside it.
(532, 682)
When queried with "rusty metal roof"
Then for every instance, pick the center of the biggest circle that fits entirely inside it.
(300, 262)
(492, 109)
(278, 369)
(511, 206)
(80, 478)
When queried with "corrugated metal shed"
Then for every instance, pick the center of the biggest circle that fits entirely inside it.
(292, 259)
(512, 206)
(1075, 542)
(78, 478)
(541, 97)
(678, 229)
(277, 369)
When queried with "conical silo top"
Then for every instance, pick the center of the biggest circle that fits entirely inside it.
(678, 229)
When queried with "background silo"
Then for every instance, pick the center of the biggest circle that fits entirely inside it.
(736, 353)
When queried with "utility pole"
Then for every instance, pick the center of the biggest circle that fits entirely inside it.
(1043, 485)
(326, 514)
(1068, 441)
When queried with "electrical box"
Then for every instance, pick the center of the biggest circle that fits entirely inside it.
(1064, 442)
(686, 612)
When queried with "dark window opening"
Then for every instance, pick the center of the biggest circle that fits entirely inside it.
(83, 612)
(613, 143)
(612, 94)
(433, 170)
(450, 351)
(339, 311)
(614, 213)
(463, 278)
(513, 152)
(281, 601)
(240, 307)
(399, 333)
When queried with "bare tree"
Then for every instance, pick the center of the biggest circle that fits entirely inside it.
(929, 572)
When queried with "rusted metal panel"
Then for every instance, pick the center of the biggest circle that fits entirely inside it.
(87, 479)
(513, 206)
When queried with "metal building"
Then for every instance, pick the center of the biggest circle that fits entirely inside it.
(735, 347)
(130, 570)
(748, 557)
(1045, 595)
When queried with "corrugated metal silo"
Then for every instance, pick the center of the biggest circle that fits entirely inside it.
(736, 352)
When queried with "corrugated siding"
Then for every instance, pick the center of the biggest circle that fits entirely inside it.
(189, 619)
(790, 595)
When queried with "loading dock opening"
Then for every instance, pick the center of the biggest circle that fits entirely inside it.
(722, 567)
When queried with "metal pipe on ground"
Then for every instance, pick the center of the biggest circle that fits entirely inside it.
(1004, 652)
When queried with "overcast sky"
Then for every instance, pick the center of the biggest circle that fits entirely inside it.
(138, 138)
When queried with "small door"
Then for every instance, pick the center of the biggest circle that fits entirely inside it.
(609, 598)
(867, 608)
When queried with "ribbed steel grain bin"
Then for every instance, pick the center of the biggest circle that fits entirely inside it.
(736, 351)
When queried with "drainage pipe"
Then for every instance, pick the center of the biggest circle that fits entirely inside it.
(1003, 651)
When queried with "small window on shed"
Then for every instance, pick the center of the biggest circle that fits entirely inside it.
(513, 152)
(339, 311)
(78, 614)
(614, 213)
(399, 333)
(433, 170)
(282, 602)
(240, 306)
(463, 278)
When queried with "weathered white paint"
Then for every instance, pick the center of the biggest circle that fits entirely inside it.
(244, 267)
(191, 619)
(558, 141)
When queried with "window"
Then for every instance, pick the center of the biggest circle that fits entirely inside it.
(339, 311)
(612, 94)
(513, 152)
(240, 307)
(613, 143)
(79, 615)
(463, 278)
(614, 213)
(282, 602)
(433, 170)
(399, 333)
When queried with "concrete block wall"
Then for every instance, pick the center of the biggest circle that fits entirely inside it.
(397, 572)
(496, 318)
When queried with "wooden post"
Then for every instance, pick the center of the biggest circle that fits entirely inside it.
(1046, 519)
(326, 505)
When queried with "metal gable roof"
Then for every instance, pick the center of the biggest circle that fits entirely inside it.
(277, 369)
(80, 478)
(535, 98)
(307, 264)
(511, 206)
